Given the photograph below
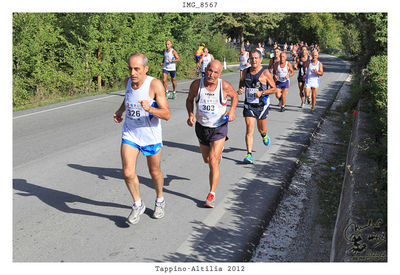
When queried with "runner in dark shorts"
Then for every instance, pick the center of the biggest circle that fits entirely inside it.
(207, 134)
(209, 95)
(257, 84)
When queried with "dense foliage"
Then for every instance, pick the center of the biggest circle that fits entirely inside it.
(66, 54)
(376, 89)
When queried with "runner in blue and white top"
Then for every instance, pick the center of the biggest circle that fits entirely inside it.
(283, 70)
(258, 84)
(170, 59)
(314, 70)
(145, 104)
(210, 94)
(204, 60)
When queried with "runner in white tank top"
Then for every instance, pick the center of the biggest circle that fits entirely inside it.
(205, 59)
(140, 126)
(210, 96)
(282, 72)
(145, 104)
(170, 59)
(314, 69)
(244, 61)
(211, 106)
(282, 77)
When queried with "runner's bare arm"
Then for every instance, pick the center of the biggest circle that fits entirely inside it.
(200, 60)
(267, 77)
(275, 68)
(305, 66)
(177, 59)
(321, 69)
(296, 64)
(118, 114)
(193, 90)
(230, 92)
(241, 82)
(158, 93)
(291, 71)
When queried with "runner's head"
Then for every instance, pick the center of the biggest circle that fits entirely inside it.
(168, 44)
(277, 52)
(138, 67)
(213, 71)
(283, 57)
(314, 55)
(255, 58)
(304, 51)
(205, 51)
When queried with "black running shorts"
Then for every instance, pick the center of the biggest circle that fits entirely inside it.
(207, 134)
(259, 113)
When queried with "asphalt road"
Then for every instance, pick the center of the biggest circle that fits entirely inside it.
(70, 202)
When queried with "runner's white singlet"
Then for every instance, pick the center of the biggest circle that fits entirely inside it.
(140, 126)
(211, 106)
(169, 66)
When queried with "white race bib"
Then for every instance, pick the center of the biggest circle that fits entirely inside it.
(137, 114)
(208, 107)
(251, 97)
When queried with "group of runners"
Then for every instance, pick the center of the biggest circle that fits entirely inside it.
(145, 104)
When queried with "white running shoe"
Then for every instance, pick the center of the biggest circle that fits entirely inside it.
(134, 216)
(159, 210)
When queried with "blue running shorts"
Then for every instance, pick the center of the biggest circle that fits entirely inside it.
(281, 85)
(148, 150)
(172, 73)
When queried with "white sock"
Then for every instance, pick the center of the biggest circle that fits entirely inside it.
(213, 193)
(138, 203)
(160, 199)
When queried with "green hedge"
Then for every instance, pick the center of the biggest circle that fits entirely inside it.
(376, 89)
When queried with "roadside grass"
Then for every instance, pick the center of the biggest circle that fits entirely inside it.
(332, 175)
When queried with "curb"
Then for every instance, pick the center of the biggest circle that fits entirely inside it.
(347, 191)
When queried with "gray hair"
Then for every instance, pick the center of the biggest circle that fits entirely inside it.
(145, 60)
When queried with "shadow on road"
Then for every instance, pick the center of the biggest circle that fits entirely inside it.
(188, 147)
(59, 199)
(117, 173)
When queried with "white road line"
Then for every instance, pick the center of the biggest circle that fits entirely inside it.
(61, 107)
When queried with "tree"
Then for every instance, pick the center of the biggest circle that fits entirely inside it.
(249, 25)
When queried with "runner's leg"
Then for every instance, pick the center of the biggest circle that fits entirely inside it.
(214, 154)
(262, 126)
(165, 76)
(314, 96)
(250, 121)
(153, 163)
(129, 156)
